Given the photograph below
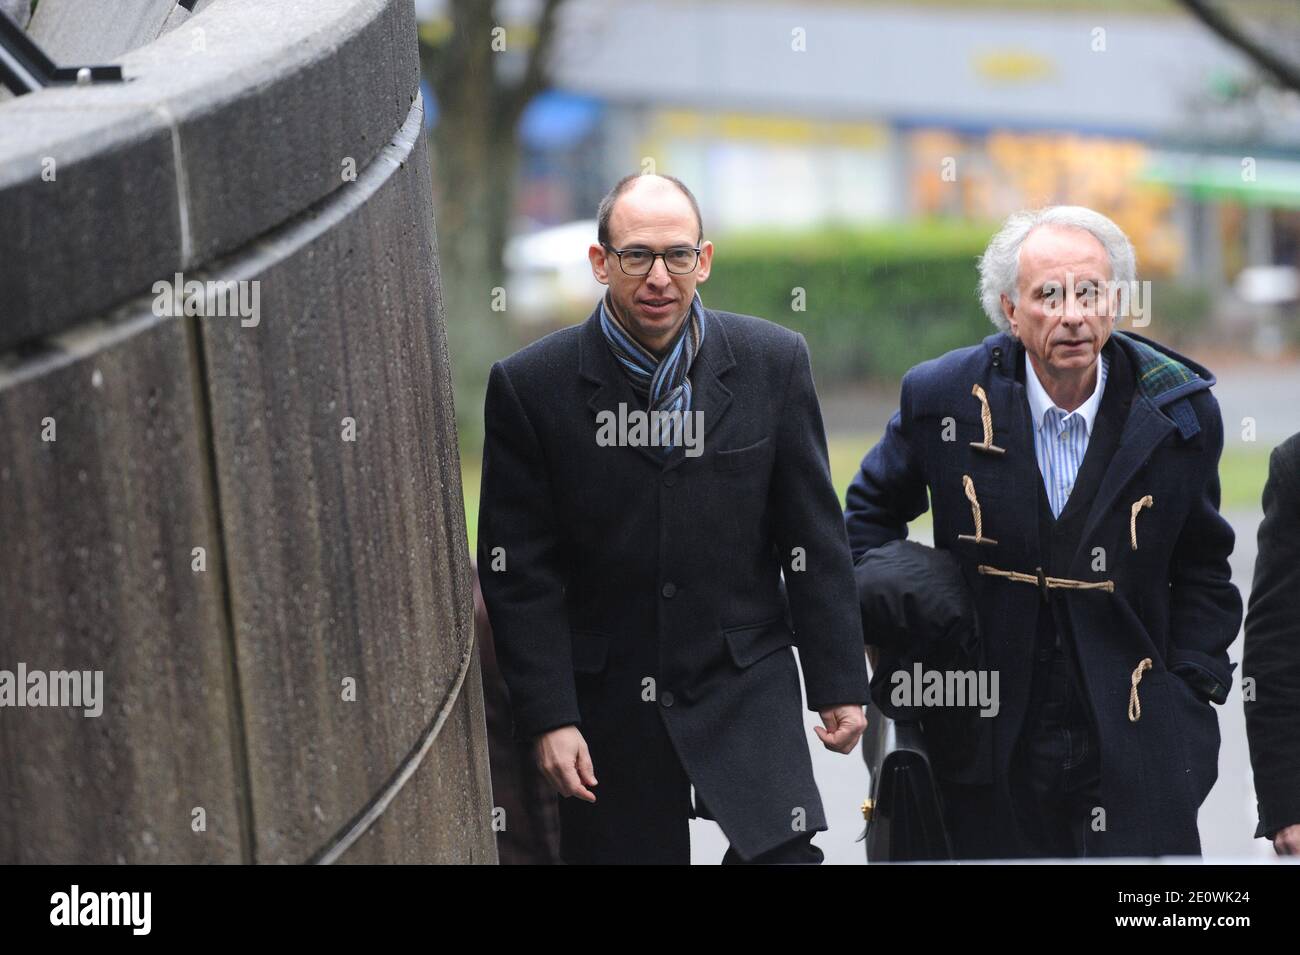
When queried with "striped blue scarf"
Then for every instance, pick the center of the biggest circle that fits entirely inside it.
(663, 383)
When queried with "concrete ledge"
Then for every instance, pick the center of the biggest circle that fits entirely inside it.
(359, 574)
(227, 126)
(332, 564)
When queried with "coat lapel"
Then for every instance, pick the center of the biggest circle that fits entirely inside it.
(597, 365)
(708, 394)
(1144, 430)
(1009, 407)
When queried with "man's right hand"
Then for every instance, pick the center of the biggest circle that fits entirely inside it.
(1286, 842)
(563, 758)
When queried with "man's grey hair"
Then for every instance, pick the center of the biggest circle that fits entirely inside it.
(1000, 263)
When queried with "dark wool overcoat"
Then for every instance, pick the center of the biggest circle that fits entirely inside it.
(1171, 601)
(1271, 655)
(639, 596)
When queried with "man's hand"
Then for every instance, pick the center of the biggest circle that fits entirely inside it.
(563, 758)
(844, 726)
(1286, 842)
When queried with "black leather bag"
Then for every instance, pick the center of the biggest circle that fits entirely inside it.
(906, 812)
(916, 608)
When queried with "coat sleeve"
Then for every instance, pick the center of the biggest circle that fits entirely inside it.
(820, 588)
(889, 489)
(1272, 652)
(520, 567)
(1205, 606)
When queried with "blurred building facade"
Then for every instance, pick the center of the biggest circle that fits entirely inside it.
(786, 116)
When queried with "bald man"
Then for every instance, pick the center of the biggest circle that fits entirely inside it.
(649, 477)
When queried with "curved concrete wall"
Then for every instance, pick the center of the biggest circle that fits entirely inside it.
(311, 693)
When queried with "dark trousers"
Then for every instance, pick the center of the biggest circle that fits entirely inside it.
(798, 851)
(1054, 780)
(1056, 772)
(643, 817)
(641, 809)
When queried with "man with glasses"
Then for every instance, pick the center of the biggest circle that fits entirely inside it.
(635, 589)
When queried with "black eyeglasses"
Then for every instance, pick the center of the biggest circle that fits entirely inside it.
(679, 261)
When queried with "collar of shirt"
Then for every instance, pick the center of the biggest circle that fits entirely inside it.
(1040, 403)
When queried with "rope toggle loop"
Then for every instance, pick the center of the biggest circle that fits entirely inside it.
(969, 486)
(1134, 705)
(986, 418)
(1145, 501)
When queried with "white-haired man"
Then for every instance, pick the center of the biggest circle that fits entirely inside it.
(1073, 472)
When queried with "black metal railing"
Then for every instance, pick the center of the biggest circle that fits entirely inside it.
(24, 67)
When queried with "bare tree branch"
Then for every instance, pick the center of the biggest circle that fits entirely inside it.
(1230, 33)
(536, 74)
(450, 59)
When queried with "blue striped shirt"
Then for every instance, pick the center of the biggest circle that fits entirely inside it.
(1060, 436)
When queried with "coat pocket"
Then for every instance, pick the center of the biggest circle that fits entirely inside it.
(1199, 737)
(590, 651)
(739, 458)
(752, 642)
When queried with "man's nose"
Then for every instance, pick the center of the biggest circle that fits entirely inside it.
(1076, 309)
(658, 276)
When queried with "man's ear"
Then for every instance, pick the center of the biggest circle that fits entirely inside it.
(599, 268)
(1009, 310)
(706, 262)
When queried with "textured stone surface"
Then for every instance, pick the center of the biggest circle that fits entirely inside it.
(364, 552)
(259, 104)
(95, 574)
(331, 563)
(20, 11)
(446, 790)
(94, 245)
(77, 32)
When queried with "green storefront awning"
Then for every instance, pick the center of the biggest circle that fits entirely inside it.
(1275, 182)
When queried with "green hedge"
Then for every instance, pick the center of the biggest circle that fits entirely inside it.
(876, 302)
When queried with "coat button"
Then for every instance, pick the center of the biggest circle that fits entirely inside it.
(670, 588)
(666, 697)
(670, 479)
